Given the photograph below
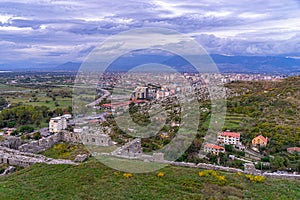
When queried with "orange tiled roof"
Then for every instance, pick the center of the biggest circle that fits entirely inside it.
(213, 146)
(231, 134)
(262, 138)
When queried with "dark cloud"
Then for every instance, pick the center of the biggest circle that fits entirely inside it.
(68, 30)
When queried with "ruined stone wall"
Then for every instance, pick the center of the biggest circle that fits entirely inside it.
(70, 137)
(41, 144)
(18, 158)
(216, 167)
(282, 176)
(11, 142)
(65, 136)
(250, 169)
(132, 149)
(96, 139)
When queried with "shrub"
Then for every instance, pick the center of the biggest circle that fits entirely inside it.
(220, 180)
(208, 173)
(160, 174)
(255, 179)
(127, 175)
(117, 173)
(37, 136)
(26, 129)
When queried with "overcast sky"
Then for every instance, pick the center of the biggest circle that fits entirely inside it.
(58, 31)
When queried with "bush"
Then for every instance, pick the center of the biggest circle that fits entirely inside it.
(208, 173)
(127, 175)
(14, 133)
(255, 179)
(160, 174)
(26, 129)
(220, 180)
(37, 136)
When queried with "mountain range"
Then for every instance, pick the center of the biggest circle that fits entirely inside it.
(225, 63)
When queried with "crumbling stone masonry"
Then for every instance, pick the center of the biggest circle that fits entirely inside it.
(132, 149)
(249, 168)
(96, 139)
(18, 158)
(65, 136)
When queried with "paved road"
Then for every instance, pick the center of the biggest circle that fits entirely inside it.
(97, 101)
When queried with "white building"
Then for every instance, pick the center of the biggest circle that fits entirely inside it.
(232, 138)
(57, 124)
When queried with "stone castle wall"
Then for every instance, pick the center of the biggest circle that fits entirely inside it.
(12, 142)
(24, 159)
(132, 150)
(65, 136)
(41, 144)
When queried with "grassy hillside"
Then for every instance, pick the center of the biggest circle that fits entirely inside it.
(92, 180)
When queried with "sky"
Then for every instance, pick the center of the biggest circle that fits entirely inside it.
(42, 32)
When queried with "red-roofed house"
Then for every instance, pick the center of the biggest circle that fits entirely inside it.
(229, 138)
(293, 150)
(212, 148)
(259, 140)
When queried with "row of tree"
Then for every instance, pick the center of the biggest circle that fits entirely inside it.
(28, 115)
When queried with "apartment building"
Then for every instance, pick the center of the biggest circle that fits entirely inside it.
(57, 124)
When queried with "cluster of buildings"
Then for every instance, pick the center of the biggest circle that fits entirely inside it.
(156, 92)
(227, 78)
(224, 138)
(232, 138)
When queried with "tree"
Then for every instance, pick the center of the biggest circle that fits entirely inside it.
(15, 133)
(37, 136)
(3, 103)
(277, 163)
(26, 129)
(228, 147)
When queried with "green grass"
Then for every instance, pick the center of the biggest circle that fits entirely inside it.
(236, 122)
(4, 88)
(32, 93)
(65, 151)
(42, 101)
(92, 180)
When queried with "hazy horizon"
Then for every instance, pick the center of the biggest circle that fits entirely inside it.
(47, 33)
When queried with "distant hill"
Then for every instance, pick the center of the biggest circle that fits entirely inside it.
(267, 64)
(68, 66)
(239, 64)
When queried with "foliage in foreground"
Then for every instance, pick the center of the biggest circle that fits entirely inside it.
(92, 180)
